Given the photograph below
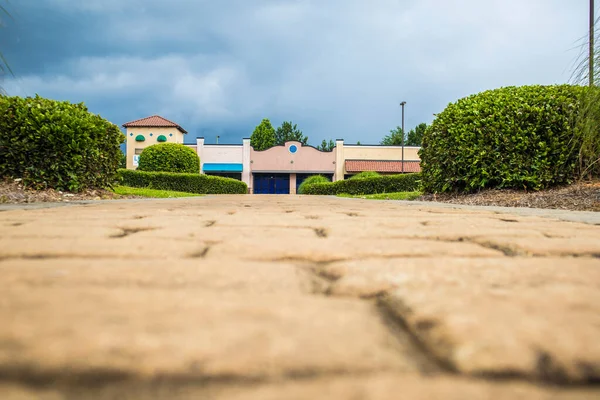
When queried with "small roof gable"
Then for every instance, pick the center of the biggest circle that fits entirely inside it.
(155, 121)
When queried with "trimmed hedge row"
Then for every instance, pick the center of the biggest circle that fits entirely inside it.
(381, 184)
(365, 174)
(57, 144)
(312, 180)
(191, 183)
(169, 157)
(513, 137)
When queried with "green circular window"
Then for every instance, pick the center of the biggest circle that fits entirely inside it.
(161, 138)
(140, 138)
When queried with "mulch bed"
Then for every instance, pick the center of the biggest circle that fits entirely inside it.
(13, 191)
(581, 196)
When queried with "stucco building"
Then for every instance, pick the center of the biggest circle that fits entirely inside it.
(280, 169)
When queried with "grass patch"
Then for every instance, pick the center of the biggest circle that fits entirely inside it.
(385, 196)
(154, 193)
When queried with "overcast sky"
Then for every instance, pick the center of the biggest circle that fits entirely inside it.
(337, 68)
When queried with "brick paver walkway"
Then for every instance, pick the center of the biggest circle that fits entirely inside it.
(291, 297)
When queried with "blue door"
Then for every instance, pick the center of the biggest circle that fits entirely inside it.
(271, 183)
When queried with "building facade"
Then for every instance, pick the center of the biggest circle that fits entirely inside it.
(280, 169)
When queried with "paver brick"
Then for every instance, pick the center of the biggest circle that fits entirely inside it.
(261, 297)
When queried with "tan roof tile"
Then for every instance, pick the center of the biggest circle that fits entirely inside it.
(382, 166)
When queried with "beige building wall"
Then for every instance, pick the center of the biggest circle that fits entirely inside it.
(134, 147)
(215, 153)
(306, 159)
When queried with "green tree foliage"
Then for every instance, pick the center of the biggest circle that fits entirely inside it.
(326, 146)
(287, 132)
(56, 144)
(413, 138)
(189, 183)
(394, 138)
(263, 137)
(373, 185)
(169, 157)
(310, 180)
(514, 137)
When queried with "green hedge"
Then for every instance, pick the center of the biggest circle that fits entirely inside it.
(514, 137)
(311, 180)
(56, 144)
(169, 157)
(366, 174)
(191, 183)
(381, 184)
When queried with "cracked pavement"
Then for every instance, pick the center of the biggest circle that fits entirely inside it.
(271, 297)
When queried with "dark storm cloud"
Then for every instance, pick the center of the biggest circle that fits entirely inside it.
(338, 68)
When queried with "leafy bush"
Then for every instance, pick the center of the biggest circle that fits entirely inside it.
(310, 180)
(190, 183)
(56, 144)
(169, 157)
(381, 184)
(514, 137)
(366, 174)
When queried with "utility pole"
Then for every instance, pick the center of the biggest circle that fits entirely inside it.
(591, 55)
(403, 104)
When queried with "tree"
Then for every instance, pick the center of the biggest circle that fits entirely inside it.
(287, 132)
(263, 136)
(415, 136)
(325, 146)
(394, 138)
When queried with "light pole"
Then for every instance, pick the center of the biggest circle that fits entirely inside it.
(591, 55)
(403, 104)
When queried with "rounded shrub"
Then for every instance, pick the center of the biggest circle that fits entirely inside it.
(513, 137)
(169, 157)
(310, 180)
(366, 174)
(57, 144)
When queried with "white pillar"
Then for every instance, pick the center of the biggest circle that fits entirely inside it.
(246, 165)
(339, 160)
(200, 151)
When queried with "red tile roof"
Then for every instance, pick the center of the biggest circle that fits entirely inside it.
(382, 166)
(154, 121)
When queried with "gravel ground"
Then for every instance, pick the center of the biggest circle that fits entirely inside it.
(13, 191)
(581, 196)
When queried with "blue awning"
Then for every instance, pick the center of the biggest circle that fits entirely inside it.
(222, 167)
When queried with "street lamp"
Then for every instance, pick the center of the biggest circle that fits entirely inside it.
(403, 104)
